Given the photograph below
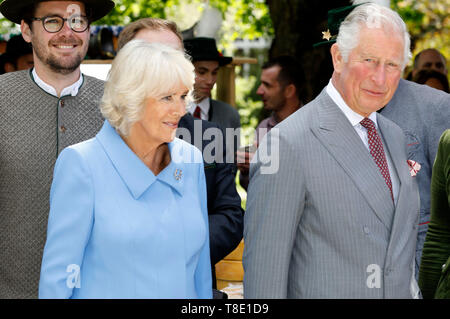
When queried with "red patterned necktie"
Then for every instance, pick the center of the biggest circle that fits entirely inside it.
(197, 112)
(377, 151)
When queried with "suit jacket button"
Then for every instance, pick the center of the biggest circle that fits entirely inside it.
(62, 129)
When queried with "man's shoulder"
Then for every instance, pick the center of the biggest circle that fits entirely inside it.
(12, 80)
(418, 107)
(306, 116)
(92, 82)
(417, 97)
(224, 106)
(189, 122)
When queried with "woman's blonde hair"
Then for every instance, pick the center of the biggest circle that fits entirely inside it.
(139, 71)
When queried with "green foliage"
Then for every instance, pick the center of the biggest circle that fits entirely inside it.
(428, 23)
(127, 11)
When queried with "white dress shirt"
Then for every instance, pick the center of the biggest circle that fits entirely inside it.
(355, 120)
(70, 90)
(204, 107)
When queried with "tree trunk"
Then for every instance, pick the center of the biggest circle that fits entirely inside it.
(298, 24)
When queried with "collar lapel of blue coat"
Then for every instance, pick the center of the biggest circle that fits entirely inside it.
(134, 173)
(340, 138)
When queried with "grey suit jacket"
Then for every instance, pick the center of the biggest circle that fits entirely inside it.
(224, 114)
(325, 226)
(424, 114)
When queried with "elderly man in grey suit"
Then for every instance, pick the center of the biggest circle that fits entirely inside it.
(339, 218)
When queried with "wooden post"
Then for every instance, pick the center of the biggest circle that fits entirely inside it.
(226, 84)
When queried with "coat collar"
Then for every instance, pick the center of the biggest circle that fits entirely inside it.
(134, 173)
(340, 138)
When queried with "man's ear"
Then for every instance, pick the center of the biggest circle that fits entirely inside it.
(336, 56)
(26, 31)
(289, 91)
(9, 67)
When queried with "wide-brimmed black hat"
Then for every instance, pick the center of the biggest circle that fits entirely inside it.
(205, 49)
(335, 18)
(14, 9)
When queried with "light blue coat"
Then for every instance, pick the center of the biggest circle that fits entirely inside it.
(116, 230)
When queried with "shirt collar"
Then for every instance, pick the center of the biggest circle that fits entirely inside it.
(351, 115)
(135, 174)
(70, 90)
(272, 121)
(204, 106)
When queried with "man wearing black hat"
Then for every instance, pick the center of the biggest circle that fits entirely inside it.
(42, 111)
(207, 61)
(18, 55)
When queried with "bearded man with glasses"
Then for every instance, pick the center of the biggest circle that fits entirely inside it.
(42, 111)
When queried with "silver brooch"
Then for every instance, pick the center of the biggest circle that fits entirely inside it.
(178, 174)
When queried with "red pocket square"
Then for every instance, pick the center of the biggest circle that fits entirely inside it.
(414, 167)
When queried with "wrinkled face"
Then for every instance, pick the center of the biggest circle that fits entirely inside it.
(431, 60)
(160, 36)
(270, 90)
(205, 78)
(161, 115)
(368, 80)
(63, 51)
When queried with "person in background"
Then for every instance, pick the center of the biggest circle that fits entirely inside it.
(207, 61)
(42, 111)
(429, 59)
(434, 276)
(433, 79)
(423, 113)
(18, 55)
(225, 215)
(282, 92)
(128, 215)
(336, 217)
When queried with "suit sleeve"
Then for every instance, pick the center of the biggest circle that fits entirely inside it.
(226, 216)
(438, 123)
(436, 249)
(203, 279)
(69, 226)
(275, 203)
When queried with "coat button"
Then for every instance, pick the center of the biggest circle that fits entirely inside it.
(61, 103)
(62, 129)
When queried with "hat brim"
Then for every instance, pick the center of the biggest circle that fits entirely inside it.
(13, 9)
(223, 60)
(319, 44)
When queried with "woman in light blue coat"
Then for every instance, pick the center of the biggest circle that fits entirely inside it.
(128, 216)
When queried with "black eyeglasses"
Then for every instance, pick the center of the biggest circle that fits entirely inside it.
(53, 24)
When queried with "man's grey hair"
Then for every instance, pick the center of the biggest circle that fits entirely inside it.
(372, 16)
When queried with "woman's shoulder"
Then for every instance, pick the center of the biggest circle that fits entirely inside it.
(183, 152)
(445, 138)
(83, 151)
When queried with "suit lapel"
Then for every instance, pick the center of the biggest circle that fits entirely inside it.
(341, 140)
(210, 113)
(405, 205)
